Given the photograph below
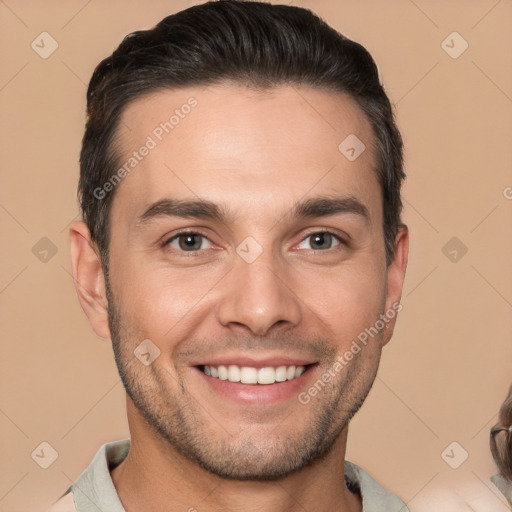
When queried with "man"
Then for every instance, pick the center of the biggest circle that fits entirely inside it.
(241, 246)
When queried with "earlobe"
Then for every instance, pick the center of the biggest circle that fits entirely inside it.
(395, 279)
(88, 278)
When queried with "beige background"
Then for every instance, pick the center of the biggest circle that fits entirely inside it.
(447, 370)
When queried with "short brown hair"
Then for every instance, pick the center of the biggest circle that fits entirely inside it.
(253, 43)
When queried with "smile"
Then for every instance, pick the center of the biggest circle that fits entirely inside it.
(251, 375)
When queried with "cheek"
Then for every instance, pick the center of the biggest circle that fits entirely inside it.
(158, 302)
(348, 301)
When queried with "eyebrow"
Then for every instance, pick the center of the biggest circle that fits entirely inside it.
(327, 206)
(204, 209)
(200, 209)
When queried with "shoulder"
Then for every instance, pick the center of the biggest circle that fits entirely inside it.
(505, 487)
(462, 494)
(95, 478)
(374, 496)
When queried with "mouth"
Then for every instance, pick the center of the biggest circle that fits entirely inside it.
(264, 375)
(254, 379)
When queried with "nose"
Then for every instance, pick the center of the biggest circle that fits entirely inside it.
(258, 296)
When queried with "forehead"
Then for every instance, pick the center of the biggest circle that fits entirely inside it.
(241, 147)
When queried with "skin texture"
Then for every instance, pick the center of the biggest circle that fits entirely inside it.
(255, 154)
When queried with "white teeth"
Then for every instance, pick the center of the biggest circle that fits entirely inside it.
(266, 375)
(299, 370)
(234, 373)
(281, 373)
(250, 375)
(223, 372)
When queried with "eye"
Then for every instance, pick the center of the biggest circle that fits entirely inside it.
(189, 242)
(320, 241)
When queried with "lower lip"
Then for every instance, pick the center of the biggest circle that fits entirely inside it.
(257, 393)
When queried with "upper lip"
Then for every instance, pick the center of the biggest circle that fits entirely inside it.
(255, 361)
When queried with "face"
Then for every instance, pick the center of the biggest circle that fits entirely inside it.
(246, 258)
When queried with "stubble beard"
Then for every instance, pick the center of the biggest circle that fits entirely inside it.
(184, 425)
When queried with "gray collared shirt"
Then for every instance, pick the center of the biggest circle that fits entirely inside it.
(94, 490)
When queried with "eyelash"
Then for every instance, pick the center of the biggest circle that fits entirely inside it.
(341, 241)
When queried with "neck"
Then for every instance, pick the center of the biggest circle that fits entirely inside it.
(154, 476)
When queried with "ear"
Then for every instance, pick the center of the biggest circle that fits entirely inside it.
(395, 280)
(88, 278)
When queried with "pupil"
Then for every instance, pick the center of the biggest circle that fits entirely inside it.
(321, 240)
(190, 242)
